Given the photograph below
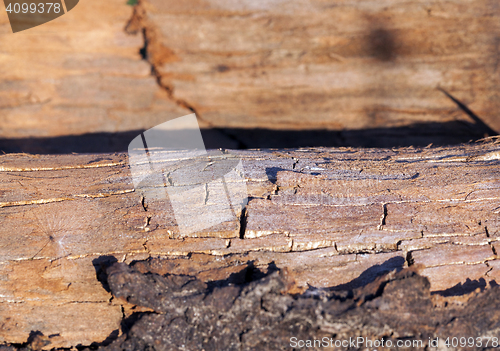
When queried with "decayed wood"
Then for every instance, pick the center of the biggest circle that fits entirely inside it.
(333, 217)
(254, 311)
(341, 65)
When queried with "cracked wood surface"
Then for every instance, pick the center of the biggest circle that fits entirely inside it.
(333, 217)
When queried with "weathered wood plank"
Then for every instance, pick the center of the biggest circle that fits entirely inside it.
(87, 76)
(345, 66)
(333, 217)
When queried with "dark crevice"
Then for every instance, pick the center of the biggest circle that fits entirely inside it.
(398, 245)
(384, 217)
(100, 265)
(491, 245)
(143, 204)
(144, 50)
(409, 259)
(272, 173)
(243, 222)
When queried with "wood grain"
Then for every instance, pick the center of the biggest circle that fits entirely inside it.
(299, 65)
(333, 217)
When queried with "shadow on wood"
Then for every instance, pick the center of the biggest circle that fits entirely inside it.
(421, 134)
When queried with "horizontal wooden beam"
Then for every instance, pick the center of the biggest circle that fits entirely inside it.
(327, 215)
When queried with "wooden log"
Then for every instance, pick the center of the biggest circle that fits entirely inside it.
(332, 217)
(377, 66)
(364, 76)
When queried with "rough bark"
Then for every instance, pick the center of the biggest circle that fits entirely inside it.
(260, 315)
(334, 218)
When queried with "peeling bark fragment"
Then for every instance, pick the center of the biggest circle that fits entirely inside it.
(260, 314)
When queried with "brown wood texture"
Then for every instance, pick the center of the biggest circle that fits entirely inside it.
(332, 217)
(351, 74)
(326, 65)
(77, 75)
